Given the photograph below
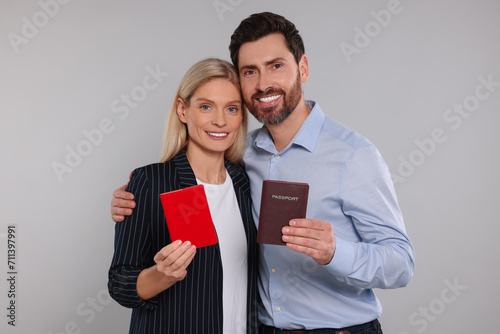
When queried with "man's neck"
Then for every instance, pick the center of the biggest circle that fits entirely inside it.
(284, 132)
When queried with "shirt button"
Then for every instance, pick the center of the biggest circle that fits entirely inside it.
(277, 156)
(278, 309)
(273, 270)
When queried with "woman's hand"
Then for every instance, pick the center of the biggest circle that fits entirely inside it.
(173, 260)
(171, 266)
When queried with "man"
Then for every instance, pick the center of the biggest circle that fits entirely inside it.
(354, 238)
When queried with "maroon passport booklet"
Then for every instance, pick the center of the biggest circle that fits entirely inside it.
(188, 216)
(281, 201)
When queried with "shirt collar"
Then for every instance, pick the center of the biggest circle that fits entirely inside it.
(307, 136)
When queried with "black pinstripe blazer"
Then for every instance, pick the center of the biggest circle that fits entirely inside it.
(193, 305)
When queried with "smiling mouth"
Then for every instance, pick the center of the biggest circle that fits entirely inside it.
(268, 99)
(218, 134)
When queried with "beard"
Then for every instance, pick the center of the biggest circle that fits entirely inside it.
(276, 114)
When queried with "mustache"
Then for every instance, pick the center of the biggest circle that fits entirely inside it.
(267, 92)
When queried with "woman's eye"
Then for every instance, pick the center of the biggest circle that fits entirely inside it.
(205, 107)
(232, 109)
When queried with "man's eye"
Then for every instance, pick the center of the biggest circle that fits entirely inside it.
(276, 66)
(249, 72)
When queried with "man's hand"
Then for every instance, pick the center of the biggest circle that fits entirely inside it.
(311, 237)
(121, 204)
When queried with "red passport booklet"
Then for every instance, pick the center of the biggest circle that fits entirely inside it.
(281, 201)
(188, 216)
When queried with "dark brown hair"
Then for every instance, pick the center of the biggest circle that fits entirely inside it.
(260, 25)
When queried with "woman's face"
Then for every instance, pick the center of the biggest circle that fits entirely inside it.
(213, 116)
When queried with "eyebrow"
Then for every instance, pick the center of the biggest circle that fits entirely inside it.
(202, 99)
(267, 63)
(234, 102)
(275, 60)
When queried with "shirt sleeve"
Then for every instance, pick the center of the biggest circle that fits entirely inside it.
(384, 258)
(132, 250)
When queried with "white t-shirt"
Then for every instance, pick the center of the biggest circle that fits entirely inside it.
(233, 246)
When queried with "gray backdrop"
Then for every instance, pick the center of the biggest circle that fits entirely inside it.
(84, 90)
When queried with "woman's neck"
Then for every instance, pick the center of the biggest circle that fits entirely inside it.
(207, 167)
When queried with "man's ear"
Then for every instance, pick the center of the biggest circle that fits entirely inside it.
(304, 68)
(181, 110)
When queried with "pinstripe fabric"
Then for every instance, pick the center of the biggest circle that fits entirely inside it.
(193, 305)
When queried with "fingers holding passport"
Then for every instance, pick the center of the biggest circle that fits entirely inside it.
(311, 237)
(173, 259)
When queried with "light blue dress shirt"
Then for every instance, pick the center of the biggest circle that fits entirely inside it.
(351, 188)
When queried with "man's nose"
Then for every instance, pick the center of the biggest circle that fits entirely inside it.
(265, 81)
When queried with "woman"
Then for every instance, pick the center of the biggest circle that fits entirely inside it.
(171, 286)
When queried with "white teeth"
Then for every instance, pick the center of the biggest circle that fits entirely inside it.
(269, 98)
(217, 134)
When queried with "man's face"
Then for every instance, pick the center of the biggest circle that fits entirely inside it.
(270, 78)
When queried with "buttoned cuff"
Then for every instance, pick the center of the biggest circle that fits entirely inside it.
(343, 259)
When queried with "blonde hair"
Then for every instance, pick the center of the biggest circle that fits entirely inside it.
(175, 136)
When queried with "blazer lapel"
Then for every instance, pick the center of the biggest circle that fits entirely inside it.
(184, 170)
